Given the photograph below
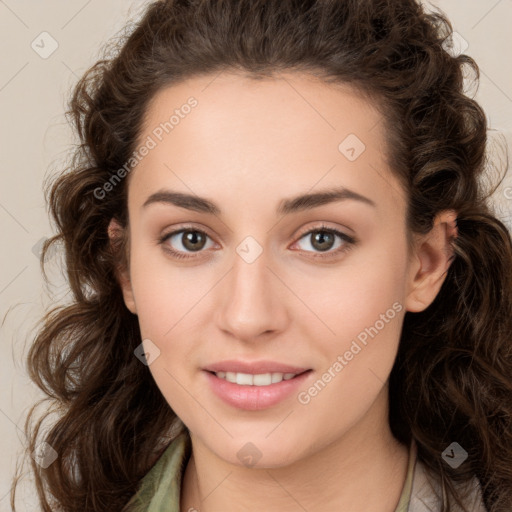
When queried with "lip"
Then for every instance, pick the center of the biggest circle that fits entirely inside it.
(255, 398)
(254, 367)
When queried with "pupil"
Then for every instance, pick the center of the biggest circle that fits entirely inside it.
(191, 239)
(322, 236)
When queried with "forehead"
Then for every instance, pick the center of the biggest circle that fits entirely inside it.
(292, 131)
(290, 101)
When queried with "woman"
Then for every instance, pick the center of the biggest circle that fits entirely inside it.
(339, 339)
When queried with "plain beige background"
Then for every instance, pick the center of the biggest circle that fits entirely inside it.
(34, 88)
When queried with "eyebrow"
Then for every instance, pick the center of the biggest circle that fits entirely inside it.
(285, 207)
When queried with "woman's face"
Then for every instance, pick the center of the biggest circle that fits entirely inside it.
(254, 294)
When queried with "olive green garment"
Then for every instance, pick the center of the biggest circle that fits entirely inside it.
(159, 490)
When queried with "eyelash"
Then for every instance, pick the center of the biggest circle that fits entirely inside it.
(349, 241)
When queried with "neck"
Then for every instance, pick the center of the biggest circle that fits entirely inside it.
(364, 469)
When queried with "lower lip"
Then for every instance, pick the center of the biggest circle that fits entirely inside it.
(254, 398)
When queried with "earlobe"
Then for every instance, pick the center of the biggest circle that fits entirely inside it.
(431, 261)
(115, 231)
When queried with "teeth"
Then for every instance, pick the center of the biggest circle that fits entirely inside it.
(277, 377)
(248, 379)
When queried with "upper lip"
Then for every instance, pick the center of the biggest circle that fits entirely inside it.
(254, 367)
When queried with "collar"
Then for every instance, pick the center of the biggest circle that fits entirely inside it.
(160, 488)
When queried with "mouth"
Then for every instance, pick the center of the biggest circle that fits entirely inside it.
(257, 387)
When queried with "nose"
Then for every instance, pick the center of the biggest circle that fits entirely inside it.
(252, 300)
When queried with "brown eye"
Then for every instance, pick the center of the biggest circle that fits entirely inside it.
(193, 240)
(323, 240)
(183, 242)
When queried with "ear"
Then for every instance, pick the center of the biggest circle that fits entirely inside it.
(115, 230)
(433, 255)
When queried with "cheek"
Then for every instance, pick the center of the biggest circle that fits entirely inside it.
(154, 300)
(357, 360)
(165, 294)
(165, 302)
(353, 296)
(363, 308)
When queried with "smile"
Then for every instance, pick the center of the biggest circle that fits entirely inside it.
(261, 379)
(254, 392)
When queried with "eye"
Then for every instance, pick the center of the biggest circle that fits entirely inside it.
(186, 240)
(322, 239)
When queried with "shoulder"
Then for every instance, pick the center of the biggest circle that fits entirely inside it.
(162, 483)
(426, 494)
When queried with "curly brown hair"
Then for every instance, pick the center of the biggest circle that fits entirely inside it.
(452, 378)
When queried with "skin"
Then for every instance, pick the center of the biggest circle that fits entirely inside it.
(247, 146)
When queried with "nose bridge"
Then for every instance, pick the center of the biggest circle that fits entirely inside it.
(249, 304)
